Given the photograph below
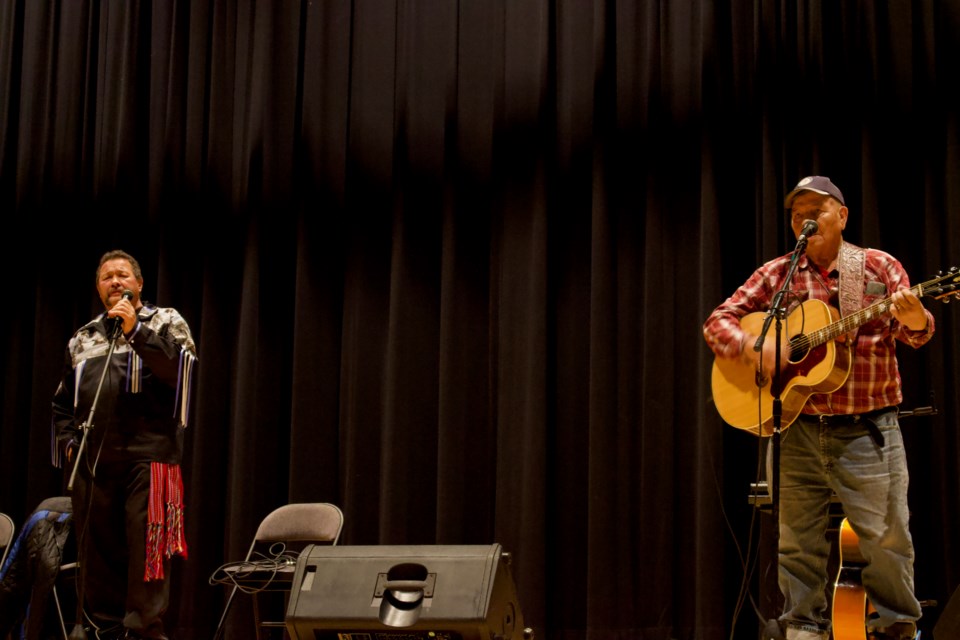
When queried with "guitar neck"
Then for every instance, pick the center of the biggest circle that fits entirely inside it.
(853, 321)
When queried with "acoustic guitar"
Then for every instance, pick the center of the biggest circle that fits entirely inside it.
(850, 604)
(818, 362)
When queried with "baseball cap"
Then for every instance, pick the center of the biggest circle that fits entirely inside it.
(817, 184)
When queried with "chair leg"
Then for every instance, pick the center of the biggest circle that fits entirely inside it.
(256, 616)
(66, 572)
(63, 623)
(268, 629)
(223, 616)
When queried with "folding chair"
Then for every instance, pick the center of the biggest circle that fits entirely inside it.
(7, 531)
(6, 537)
(270, 561)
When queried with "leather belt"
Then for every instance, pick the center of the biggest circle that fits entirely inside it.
(838, 419)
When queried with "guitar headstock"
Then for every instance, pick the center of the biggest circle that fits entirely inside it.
(944, 286)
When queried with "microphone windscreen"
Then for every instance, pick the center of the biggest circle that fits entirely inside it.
(810, 227)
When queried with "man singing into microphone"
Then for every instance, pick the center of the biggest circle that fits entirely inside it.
(118, 429)
(846, 442)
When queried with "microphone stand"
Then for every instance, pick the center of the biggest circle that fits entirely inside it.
(78, 632)
(930, 410)
(777, 312)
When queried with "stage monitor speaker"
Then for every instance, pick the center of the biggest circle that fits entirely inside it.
(455, 592)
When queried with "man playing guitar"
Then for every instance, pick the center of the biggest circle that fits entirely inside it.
(843, 436)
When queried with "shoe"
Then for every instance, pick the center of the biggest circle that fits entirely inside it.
(896, 631)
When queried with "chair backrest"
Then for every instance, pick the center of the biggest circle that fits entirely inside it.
(6, 536)
(309, 522)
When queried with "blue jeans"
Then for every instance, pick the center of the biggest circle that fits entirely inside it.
(870, 481)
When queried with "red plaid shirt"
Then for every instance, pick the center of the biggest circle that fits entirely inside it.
(874, 381)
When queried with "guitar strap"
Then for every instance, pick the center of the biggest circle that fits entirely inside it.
(851, 265)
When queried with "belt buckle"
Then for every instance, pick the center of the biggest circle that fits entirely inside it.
(829, 419)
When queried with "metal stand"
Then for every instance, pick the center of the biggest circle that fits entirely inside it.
(777, 312)
(78, 632)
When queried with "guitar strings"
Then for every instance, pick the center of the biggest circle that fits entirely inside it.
(877, 309)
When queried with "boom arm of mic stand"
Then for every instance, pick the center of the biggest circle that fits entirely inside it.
(778, 298)
(87, 424)
(774, 310)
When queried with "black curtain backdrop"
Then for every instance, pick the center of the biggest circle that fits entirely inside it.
(447, 263)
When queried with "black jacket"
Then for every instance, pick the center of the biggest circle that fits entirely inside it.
(27, 577)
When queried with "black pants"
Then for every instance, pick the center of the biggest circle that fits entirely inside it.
(110, 519)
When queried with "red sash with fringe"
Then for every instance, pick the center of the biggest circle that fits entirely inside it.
(164, 519)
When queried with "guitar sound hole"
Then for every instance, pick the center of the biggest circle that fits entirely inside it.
(797, 351)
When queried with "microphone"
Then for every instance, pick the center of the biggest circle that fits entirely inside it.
(117, 320)
(810, 227)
